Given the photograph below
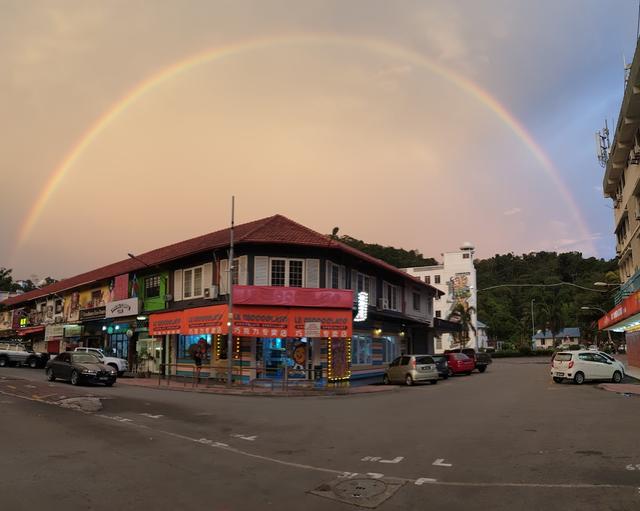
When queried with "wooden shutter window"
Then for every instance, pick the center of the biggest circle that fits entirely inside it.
(243, 277)
(312, 277)
(224, 276)
(261, 271)
(177, 285)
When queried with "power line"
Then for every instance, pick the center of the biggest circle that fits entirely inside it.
(544, 285)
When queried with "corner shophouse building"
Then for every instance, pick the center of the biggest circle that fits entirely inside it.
(279, 265)
(625, 317)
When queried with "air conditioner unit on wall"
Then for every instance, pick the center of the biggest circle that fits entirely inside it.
(382, 304)
(211, 292)
(168, 297)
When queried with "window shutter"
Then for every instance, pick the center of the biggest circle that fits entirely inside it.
(354, 281)
(177, 285)
(342, 277)
(224, 277)
(313, 273)
(207, 276)
(260, 271)
(327, 275)
(242, 270)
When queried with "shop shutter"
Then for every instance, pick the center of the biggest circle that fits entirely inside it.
(312, 278)
(242, 270)
(177, 285)
(260, 271)
(224, 276)
(207, 276)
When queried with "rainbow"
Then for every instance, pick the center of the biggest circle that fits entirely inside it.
(209, 55)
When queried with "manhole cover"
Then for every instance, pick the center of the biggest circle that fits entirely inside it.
(360, 488)
(362, 492)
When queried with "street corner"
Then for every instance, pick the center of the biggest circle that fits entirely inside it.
(625, 389)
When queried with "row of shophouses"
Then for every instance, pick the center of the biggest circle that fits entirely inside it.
(301, 300)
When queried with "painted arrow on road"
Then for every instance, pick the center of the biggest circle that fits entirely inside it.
(440, 463)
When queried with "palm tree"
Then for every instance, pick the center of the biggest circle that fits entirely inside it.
(463, 315)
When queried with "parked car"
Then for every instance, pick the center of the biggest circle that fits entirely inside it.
(119, 364)
(482, 360)
(441, 365)
(410, 369)
(584, 365)
(79, 367)
(18, 354)
(615, 362)
(459, 363)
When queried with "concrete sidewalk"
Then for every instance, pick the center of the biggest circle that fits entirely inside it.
(277, 391)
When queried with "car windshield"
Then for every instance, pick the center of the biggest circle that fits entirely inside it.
(563, 357)
(85, 358)
(424, 360)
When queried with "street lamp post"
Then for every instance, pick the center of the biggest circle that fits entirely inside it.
(230, 321)
(533, 322)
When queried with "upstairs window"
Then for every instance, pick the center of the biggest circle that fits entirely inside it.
(436, 279)
(390, 294)
(287, 272)
(152, 286)
(427, 279)
(192, 282)
(416, 301)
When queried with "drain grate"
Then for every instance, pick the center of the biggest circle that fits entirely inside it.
(363, 492)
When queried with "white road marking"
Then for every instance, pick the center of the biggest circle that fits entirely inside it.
(348, 475)
(375, 475)
(397, 459)
(115, 418)
(151, 416)
(631, 466)
(422, 480)
(440, 463)
(30, 386)
(245, 437)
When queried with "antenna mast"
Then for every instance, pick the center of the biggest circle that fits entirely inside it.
(603, 145)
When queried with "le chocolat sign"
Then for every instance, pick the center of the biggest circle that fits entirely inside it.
(122, 308)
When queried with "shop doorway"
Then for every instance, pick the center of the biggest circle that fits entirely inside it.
(274, 354)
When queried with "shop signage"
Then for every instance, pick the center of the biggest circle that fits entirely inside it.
(92, 313)
(6, 320)
(363, 306)
(333, 322)
(205, 320)
(293, 297)
(120, 308)
(628, 307)
(53, 331)
(261, 321)
(312, 328)
(165, 324)
(72, 330)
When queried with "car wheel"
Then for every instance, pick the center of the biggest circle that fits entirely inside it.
(617, 377)
(33, 362)
(445, 376)
(4, 362)
(408, 380)
(75, 378)
(579, 378)
(451, 373)
(50, 375)
(482, 369)
(433, 382)
(557, 379)
(468, 373)
(385, 380)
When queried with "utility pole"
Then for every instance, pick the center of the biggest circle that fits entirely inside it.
(533, 323)
(230, 295)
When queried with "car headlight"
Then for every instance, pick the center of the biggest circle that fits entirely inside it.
(88, 371)
(112, 372)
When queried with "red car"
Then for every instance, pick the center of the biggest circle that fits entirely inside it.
(459, 363)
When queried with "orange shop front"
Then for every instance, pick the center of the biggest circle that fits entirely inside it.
(269, 341)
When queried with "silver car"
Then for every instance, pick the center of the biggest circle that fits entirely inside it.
(410, 369)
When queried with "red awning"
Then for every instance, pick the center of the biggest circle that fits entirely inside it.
(624, 310)
(30, 330)
(166, 323)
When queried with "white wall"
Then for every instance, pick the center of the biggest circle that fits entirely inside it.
(455, 264)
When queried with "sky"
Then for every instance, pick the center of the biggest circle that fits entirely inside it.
(126, 126)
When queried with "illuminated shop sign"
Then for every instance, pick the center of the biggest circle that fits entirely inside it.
(363, 306)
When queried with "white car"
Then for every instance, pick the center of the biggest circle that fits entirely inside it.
(119, 364)
(614, 361)
(583, 365)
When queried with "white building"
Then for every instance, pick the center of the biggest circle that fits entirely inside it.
(456, 278)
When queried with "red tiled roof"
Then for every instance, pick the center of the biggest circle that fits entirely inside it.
(274, 229)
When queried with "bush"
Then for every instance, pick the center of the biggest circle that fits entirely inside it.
(525, 351)
(519, 353)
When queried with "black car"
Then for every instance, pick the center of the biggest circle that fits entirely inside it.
(441, 365)
(78, 368)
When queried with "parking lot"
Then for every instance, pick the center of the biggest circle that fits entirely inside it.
(472, 442)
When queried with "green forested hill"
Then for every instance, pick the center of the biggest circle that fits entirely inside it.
(507, 311)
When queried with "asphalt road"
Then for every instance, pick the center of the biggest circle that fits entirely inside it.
(506, 439)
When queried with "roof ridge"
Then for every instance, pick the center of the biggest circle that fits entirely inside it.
(262, 222)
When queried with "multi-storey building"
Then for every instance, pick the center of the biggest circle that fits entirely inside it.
(304, 305)
(456, 279)
(621, 184)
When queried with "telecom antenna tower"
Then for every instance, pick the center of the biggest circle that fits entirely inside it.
(603, 145)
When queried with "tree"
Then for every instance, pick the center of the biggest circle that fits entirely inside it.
(398, 257)
(6, 280)
(463, 315)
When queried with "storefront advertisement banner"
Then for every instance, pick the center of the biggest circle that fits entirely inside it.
(333, 323)
(121, 308)
(205, 320)
(166, 323)
(260, 321)
(338, 359)
(6, 320)
(72, 330)
(53, 331)
(293, 297)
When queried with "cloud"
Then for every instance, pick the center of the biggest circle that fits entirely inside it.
(512, 211)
